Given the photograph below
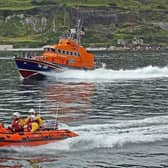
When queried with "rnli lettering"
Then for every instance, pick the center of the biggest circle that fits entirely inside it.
(45, 67)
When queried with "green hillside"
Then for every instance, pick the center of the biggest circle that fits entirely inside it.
(40, 22)
(125, 4)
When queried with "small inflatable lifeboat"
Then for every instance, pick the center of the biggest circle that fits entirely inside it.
(45, 136)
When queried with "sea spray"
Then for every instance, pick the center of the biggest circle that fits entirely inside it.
(109, 75)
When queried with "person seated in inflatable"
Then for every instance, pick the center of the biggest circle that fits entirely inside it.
(17, 123)
(33, 124)
(35, 118)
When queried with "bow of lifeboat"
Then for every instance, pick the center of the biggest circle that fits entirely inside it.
(7, 138)
(35, 68)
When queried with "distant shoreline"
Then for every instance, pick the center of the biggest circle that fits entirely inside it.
(91, 49)
(10, 48)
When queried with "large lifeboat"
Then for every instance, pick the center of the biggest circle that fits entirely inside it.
(8, 138)
(67, 54)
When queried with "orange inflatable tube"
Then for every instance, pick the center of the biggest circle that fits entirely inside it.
(7, 138)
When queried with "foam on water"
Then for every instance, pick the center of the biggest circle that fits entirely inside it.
(103, 74)
(120, 133)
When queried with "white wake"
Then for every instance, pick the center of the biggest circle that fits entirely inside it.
(114, 134)
(111, 75)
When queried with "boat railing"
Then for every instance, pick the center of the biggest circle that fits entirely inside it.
(74, 33)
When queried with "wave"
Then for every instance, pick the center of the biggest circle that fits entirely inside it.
(103, 74)
(121, 133)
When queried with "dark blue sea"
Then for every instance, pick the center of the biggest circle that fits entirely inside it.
(120, 112)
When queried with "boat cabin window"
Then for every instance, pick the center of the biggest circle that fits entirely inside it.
(52, 49)
(78, 54)
(46, 49)
(65, 52)
(59, 51)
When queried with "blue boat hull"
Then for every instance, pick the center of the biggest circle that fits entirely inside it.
(29, 68)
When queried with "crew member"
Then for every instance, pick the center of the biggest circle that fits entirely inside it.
(35, 118)
(17, 123)
(33, 124)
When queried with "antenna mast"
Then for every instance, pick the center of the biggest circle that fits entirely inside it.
(78, 31)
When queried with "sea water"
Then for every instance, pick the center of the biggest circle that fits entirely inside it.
(120, 112)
